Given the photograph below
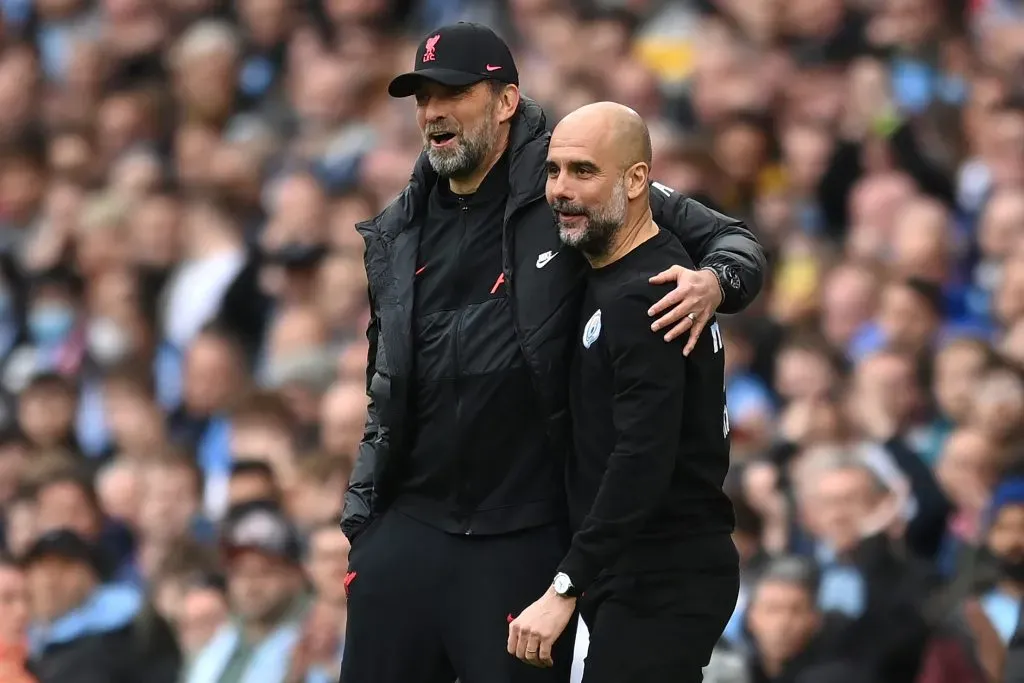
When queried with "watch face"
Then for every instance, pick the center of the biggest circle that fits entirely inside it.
(562, 584)
(732, 278)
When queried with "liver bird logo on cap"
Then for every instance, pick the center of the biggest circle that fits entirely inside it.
(428, 54)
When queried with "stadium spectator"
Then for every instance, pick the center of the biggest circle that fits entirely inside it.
(266, 596)
(204, 611)
(792, 639)
(252, 480)
(84, 630)
(14, 608)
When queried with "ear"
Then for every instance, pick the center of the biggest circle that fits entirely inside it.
(508, 102)
(636, 180)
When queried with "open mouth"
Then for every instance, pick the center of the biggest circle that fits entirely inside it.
(441, 139)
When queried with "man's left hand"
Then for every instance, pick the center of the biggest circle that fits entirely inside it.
(532, 635)
(690, 305)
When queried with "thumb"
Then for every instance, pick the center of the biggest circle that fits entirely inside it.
(664, 277)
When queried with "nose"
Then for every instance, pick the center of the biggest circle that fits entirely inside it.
(432, 109)
(557, 186)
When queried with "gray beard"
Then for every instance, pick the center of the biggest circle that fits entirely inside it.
(455, 163)
(596, 239)
(466, 155)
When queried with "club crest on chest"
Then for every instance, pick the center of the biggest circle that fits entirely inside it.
(592, 330)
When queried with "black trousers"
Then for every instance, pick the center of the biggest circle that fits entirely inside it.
(429, 607)
(656, 628)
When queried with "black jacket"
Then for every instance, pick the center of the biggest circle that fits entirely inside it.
(891, 634)
(545, 301)
(109, 651)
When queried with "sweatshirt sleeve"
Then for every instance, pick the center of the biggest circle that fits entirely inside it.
(713, 239)
(649, 386)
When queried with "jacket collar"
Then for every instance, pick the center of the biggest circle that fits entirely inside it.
(494, 188)
(527, 149)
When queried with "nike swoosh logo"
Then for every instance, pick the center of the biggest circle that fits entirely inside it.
(544, 258)
(492, 68)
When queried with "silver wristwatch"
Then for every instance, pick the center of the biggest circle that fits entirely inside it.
(563, 585)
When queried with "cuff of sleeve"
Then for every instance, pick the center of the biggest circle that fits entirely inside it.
(578, 570)
(732, 292)
(718, 279)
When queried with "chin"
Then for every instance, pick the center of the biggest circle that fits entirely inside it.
(449, 151)
(572, 236)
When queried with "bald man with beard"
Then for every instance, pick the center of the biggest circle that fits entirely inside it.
(651, 563)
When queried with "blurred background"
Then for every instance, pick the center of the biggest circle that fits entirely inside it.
(182, 307)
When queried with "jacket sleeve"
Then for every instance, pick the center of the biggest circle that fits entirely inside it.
(358, 506)
(713, 239)
(927, 529)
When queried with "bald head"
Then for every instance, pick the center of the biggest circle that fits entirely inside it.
(599, 159)
(612, 127)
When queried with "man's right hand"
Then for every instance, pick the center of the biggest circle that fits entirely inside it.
(697, 294)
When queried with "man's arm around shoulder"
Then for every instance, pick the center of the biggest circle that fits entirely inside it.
(714, 241)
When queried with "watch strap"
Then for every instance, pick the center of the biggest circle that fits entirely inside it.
(718, 278)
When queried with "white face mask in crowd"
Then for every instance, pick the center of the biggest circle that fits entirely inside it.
(107, 341)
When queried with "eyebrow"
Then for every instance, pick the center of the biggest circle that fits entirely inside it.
(577, 166)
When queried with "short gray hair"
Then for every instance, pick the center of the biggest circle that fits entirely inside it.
(826, 459)
(205, 38)
(791, 570)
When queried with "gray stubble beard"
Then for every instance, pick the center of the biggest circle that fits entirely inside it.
(602, 224)
(468, 153)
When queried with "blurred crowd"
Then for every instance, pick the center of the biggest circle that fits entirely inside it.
(182, 304)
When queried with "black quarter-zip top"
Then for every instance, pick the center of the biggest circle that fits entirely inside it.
(477, 429)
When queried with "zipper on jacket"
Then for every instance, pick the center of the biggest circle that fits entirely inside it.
(463, 485)
(507, 245)
(508, 269)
